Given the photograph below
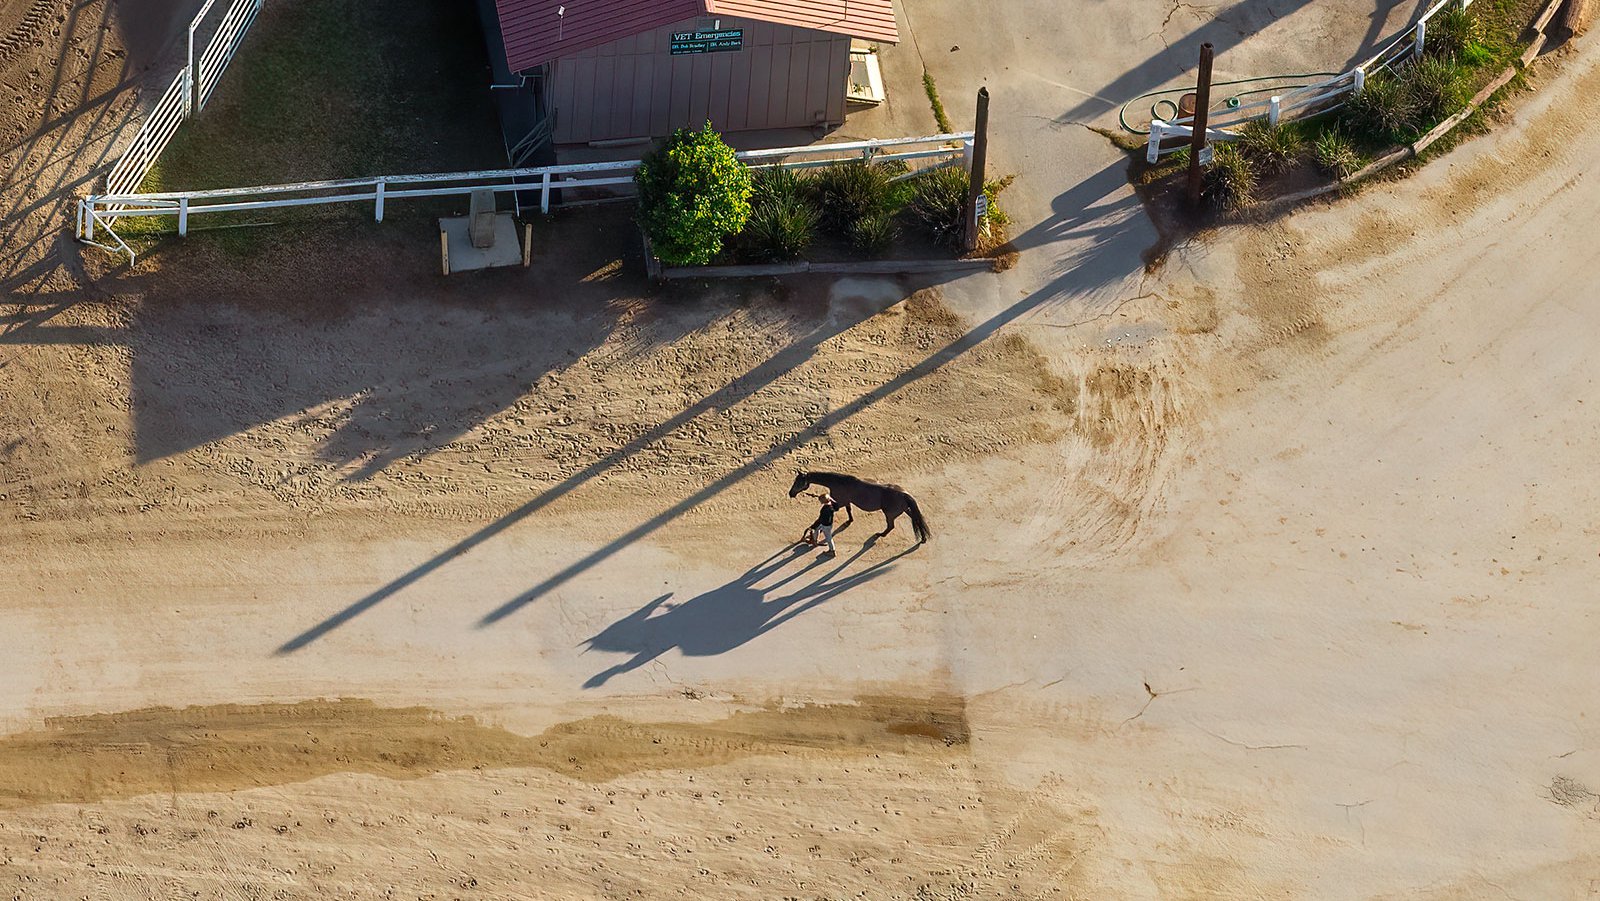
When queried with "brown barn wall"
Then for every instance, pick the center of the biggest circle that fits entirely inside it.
(785, 77)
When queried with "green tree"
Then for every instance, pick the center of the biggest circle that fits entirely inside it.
(693, 193)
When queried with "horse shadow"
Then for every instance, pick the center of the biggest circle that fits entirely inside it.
(732, 614)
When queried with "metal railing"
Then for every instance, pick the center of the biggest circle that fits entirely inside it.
(98, 212)
(1309, 100)
(218, 40)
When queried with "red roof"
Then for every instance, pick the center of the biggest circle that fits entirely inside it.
(535, 32)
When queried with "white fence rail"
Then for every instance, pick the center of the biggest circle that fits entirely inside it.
(97, 213)
(218, 40)
(224, 44)
(1311, 99)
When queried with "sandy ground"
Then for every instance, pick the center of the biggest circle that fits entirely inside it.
(1267, 574)
(72, 75)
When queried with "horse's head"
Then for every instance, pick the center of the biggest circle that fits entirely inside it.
(801, 482)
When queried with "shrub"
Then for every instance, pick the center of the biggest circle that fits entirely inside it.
(848, 192)
(1451, 32)
(1271, 149)
(1230, 182)
(873, 233)
(781, 229)
(1437, 88)
(938, 204)
(1385, 112)
(1336, 157)
(693, 193)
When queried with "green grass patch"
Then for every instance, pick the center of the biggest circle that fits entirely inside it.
(939, 115)
(339, 89)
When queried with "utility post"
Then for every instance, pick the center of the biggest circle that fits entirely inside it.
(1202, 103)
(980, 154)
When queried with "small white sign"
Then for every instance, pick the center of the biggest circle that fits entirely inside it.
(982, 207)
(1205, 155)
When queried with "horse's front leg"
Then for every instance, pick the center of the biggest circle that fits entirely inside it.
(849, 517)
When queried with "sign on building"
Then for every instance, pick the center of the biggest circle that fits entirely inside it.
(707, 41)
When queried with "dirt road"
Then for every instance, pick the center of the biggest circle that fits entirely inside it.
(1266, 575)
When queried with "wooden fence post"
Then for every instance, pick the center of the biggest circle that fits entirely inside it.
(975, 179)
(1570, 18)
(1197, 125)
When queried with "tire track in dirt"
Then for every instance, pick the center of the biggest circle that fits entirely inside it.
(28, 30)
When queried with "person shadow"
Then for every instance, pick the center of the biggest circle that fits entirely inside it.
(734, 613)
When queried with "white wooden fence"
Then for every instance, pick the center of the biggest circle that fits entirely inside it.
(218, 39)
(1311, 99)
(96, 213)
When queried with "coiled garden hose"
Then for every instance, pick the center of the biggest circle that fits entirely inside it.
(1157, 112)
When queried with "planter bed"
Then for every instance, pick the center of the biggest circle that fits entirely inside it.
(1162, 185)
(804, 267)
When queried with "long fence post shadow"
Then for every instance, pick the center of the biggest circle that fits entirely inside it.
(1095, 268)
(775, 452)
(735, 390)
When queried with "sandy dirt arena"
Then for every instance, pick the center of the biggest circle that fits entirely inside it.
(1267, 573)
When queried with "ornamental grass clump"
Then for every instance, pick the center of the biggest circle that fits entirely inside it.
(780, 229)
(1335, 156)
(874, 233)
(693, 194)
(1230, 182)
(1453, 32)
(848, 192)
(1437, 87)
(938, 204)
(1271, 149)
(773, 184)
(1383, 113)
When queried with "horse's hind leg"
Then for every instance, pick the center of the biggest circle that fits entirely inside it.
(889, 516)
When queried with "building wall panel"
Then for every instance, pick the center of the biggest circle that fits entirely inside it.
(633, 87)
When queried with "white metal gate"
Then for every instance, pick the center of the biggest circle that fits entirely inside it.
(217, 38)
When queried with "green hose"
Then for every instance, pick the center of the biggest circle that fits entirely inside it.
(1233, 100)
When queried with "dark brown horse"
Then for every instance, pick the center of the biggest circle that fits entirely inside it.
(850, 491)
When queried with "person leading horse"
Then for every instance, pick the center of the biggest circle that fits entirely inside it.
(849, 491)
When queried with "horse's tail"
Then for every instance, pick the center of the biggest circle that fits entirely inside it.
(918, 523)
